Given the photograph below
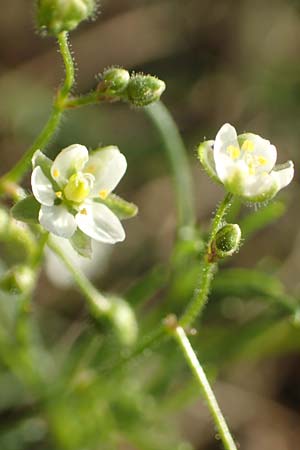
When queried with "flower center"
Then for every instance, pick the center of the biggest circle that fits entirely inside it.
(78, 187)
(247, 154)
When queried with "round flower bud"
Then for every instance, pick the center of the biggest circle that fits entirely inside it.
(55, 16)
(114, 81)
(124, 320)
(227, 240)
(19, 280)
(144, 89)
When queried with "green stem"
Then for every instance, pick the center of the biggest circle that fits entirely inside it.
(68, 63)
(175, 148)
(199, 299)
(205, 388)
(19, 170)
(98, 304)
(91, 98)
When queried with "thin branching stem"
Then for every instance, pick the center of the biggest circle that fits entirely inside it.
(205, 388)
(209, 267)
(98, 304)
(18, 171)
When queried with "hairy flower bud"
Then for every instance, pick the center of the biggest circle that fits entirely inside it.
(19, 279)
(227, 240)
(114, 81)
(63, 15)
(144, 89)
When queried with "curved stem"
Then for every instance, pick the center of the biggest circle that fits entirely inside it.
(98, 304)
(199, 299)
(205, 388)
(69, 64)
(175, 148)
(19, 170)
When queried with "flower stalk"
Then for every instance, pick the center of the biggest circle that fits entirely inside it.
(18, 171)
(209, 267)
(205, 388)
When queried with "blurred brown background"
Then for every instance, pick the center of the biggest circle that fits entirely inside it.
(222, 61)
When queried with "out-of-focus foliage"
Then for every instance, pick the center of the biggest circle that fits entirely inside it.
(67, 382)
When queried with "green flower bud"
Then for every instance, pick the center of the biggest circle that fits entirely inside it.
(144, 89)
(19, 279)
(227, 240)
(114, 81)
(63, 15)
(124, 320)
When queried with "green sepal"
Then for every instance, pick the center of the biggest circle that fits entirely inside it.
(227, 240)
(45, 163)
(206, 158)
(142, 90)
(55, 16)
(27, 210)
(119, 206)
(81, 243)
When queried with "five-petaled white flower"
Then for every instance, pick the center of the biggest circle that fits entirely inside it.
(71, 190)
(245, 164)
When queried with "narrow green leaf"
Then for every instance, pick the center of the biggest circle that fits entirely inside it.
(81, 244)
(27, 210)
(122, 208)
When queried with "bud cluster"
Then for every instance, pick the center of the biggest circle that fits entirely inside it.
(137, 89)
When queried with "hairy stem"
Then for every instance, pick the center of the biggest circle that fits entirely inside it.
(176, 151)
(199, 299)
(18, 171)
(98, 304)
(205, 388)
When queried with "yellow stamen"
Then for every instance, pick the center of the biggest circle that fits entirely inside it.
(83, 211)
(248, 146)
(58, 194)
(233, 151)
(56, 173)
(90, 168)
(262, 161)
(103, 194)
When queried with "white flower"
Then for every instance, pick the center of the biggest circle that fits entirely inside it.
(245, 164)
(70, 192)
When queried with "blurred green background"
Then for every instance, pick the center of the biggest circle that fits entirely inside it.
(222, 61)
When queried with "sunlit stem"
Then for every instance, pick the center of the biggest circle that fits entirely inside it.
(205, 388)
(98, 304)
(21, 167)
(209, 267)
(176, 151)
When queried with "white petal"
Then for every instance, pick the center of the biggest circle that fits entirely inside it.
(70, 160)
(226, 137)
(57, 220)
(283, 175)
(41, 187)
(100, 223)
(262, 150)
(108, 167)
(261, 187)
